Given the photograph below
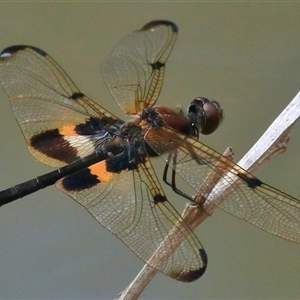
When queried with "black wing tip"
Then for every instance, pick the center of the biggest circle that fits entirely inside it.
(16, 48)
(194, 274)
(156, 23)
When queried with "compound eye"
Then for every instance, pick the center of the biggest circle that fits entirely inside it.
(205, 115)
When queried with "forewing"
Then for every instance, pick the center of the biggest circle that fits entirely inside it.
(48, 106)
(265, 207)
(134, 71)
(132, 205)
(246, 197)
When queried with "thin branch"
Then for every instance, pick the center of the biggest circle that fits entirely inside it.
(273, 142)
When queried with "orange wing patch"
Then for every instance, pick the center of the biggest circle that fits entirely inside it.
(99, 170)
(68, 130)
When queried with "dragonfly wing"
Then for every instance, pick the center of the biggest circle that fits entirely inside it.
(244, 195)
(55, 117)
(132, 205)
(265, 207)
(134, 71)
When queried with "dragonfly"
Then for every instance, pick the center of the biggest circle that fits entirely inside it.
(106, 164)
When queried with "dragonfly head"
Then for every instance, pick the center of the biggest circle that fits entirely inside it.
(204, 115)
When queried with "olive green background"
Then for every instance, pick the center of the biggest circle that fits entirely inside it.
(245, 55)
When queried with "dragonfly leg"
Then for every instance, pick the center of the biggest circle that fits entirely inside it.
(173, 156)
